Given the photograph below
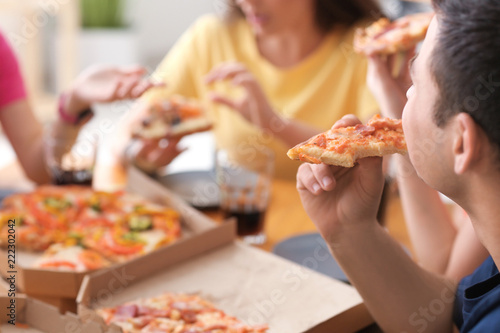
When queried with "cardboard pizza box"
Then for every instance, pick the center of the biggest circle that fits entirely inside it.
(24, 314)
(60, 286)
(63, 304)
(255, 286)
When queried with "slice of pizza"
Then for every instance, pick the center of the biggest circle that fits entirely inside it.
(69, 257)
(171, 312)
(29, 235)
(53, 207)
(174, 118)
(139, 232)
(386, 37)
(100, 209)
(344, 146)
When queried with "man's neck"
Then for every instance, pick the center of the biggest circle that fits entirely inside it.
(482, 204)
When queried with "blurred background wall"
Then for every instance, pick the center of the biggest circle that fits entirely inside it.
(53, 45)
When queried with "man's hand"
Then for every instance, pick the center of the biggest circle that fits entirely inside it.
(254, 105)
(336, 198)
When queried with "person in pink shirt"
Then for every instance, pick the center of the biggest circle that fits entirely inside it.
(95, 85)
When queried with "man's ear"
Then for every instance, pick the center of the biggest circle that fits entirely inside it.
(466, 143)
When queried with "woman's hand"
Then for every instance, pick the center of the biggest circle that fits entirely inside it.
(336, 198)
(389, 80)
(103, 84)
(254, 105)
(149, 155)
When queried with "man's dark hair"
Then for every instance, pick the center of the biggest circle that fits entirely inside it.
(465, 63)
(332, 12)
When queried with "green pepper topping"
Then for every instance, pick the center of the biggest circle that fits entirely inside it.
(96, 207)
(131, 236)
(56, 203)
(77, 236)
(140, 223)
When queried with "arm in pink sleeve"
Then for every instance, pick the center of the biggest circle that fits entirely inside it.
(11, 82)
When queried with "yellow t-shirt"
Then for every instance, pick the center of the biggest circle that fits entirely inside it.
(318, 91)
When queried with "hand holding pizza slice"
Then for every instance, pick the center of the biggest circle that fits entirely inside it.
(173, 118)
(337, 197)
(345, 145)
(386, 37)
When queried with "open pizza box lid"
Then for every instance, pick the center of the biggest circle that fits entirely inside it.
(33, 316)
(20, 313)
(253, 285)
(64, 284)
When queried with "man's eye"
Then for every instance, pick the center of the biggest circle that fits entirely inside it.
(410, 91)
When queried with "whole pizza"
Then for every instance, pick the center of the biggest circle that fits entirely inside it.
(79, 229)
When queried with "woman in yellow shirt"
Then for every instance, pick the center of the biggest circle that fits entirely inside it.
(276, 73)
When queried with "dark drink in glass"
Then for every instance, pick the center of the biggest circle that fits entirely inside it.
(249, 222)
(71, 177)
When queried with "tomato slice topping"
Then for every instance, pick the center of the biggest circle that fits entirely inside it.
(58, 264)
(112, 244)
(91, 259)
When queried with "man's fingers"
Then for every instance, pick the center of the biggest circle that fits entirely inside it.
(312, 177)
(305, 178)
(347, 120)
(324, 176)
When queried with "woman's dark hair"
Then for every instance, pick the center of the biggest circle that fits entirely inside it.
(465, 63)
(332, 12)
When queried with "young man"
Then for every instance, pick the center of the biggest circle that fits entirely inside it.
(453, 102)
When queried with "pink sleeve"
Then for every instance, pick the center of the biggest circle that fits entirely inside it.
(11, 81)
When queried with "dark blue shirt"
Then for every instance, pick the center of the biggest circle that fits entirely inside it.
(477, 303)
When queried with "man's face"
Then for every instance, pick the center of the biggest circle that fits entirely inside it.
(427, 143)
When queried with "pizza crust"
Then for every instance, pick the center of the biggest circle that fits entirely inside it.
(317, 155)
(344, 146)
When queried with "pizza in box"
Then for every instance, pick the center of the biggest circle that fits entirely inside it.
(171, 312)
(79, 229)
